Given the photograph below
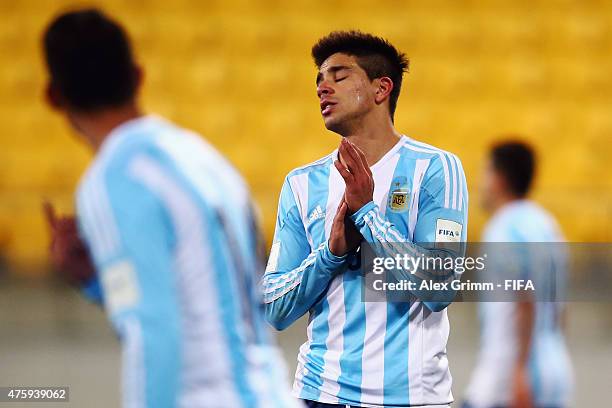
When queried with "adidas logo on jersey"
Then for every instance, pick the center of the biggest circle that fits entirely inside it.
(316, 214)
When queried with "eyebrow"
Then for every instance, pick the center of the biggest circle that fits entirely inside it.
(332, 69)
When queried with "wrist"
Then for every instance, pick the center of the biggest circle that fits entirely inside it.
(357, 216)
(331, 256)
(356, 206)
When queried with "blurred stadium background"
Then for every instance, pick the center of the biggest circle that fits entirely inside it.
(240, 73)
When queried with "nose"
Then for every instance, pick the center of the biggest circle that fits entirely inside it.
(324, 89)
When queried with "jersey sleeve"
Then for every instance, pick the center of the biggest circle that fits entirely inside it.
(296, 275)
(440, 230)
(127, 230)
(443, 220)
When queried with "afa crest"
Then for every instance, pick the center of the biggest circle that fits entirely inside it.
(399, 195)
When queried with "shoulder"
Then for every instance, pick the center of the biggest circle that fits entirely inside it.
(179, 153)
(523, 221)
(443, 167)
(321, 164)
(534, 223)
(203, 166)
(422, 150)
(297, 179)
(443, 178)
(111, 169)
(110, 162)
(294, 192)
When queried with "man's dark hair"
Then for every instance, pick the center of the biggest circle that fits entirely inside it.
(90, 60)
(375, 55)
(515, 162)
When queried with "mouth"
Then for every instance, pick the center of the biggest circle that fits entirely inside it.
(326, 107)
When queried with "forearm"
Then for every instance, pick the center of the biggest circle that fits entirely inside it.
(419, 263)
(290, 294)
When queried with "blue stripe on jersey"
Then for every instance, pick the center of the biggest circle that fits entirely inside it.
(252, 237)
(147, 347)
(230, 321)
(536, 383)
(396, 379)
(314, 362)
(354, 335)
(447, 164)
(454, 201)
(464, 191)
(318, 192)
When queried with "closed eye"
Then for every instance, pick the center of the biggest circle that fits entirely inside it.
(341, 79)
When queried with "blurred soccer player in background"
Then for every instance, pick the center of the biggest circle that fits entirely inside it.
(523, 361)
(381, 187)
(170, 228)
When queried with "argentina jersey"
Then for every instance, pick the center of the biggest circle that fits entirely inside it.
(525, 230)
(170, 227)
(371, 354)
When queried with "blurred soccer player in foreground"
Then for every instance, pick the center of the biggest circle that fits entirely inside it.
(523, 361)
(169, 225)
(381, 187)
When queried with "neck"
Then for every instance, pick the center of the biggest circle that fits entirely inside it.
(503, 200)
(375, 138)
(96, 126)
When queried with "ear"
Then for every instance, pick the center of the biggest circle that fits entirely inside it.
(385, 86)
(499, 182)
(53, 97)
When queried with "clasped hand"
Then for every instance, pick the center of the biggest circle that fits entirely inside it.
(354, 169)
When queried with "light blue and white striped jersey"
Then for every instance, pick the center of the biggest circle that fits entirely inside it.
(550, 370)
(169, 224)
(370, 354)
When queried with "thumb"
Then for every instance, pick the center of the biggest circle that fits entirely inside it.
(342, 210)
